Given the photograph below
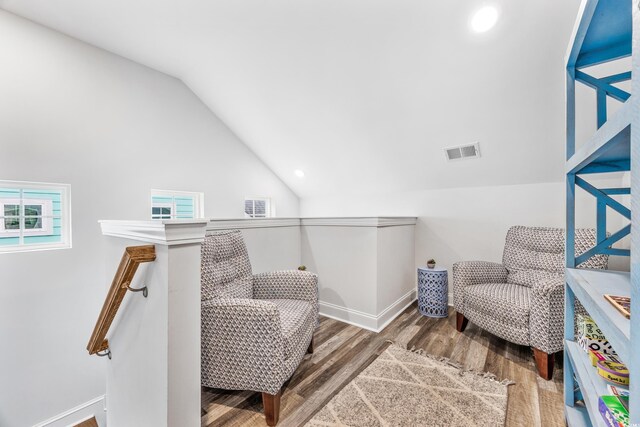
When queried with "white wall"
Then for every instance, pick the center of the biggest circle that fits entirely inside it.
(345, 260)
(395, 275)
(273, 249)
(112, 129)
(467, 223)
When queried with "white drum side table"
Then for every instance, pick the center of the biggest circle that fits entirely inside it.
(433, 292)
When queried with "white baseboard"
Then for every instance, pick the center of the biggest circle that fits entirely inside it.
(94, 407)
(395, 309)
(368, 321)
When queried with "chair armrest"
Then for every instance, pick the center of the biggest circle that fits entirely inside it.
(547, 314)
(241, 343)
(548, 287)
(466, 273)
(287, 284)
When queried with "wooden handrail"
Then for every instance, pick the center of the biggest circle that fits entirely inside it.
(133, 256)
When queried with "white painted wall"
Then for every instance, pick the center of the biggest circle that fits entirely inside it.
(345, 260)
(272, 244)
(112, 129)
(365, 267)
(396, 276)
(467, 223)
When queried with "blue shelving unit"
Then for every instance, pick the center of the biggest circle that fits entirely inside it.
(603, 32)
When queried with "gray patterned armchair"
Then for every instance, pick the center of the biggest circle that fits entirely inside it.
(522, 299)
(255, 328)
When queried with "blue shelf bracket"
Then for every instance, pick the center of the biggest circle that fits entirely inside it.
(604, 243)
(604, 85)
(604, 88)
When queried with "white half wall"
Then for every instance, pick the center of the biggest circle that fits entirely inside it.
(273, 243)
(468, 223)
(365, 267)
(113, 130)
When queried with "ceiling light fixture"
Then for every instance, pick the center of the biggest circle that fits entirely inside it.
(484, 19)
(299, 173)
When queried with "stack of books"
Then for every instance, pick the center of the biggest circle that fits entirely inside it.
(590, 337)
(614, 407)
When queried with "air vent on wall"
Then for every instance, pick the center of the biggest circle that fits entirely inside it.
(462, 152)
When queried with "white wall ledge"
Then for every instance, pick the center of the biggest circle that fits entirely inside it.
(163, 232)
(245, 223)
(377, 221)
(179, 232)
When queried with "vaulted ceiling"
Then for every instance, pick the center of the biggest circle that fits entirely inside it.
(362, 95)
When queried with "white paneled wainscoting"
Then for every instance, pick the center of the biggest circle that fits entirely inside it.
(365, 265)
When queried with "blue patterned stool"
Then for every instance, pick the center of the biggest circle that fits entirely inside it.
(433, 292)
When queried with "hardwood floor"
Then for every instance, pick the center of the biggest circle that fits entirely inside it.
(342, 351)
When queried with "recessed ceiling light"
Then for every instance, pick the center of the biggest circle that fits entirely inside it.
(484, 19)
(299, 173)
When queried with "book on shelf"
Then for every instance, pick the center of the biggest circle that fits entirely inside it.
(613, 372)
(596, 357)
(621, 303)
(614, 413)
(590, 337)
(615, 390)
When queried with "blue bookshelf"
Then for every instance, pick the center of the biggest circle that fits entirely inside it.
(603, 33)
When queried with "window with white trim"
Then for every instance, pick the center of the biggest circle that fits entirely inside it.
(34, 216)
(166, 204)
(257, 207)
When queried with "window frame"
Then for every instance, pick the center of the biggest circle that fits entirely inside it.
(198, 203)
(46, 216)
(268, 208)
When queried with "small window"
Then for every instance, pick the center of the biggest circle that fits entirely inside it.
(34, 216)
(257, 207)
(176, 204)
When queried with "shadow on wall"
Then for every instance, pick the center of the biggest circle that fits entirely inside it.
(325, 294)
(449, 240)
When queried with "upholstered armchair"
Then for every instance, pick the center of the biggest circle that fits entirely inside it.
(522, 299)
(255, 328)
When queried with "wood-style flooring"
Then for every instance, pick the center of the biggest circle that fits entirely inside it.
(342, 351)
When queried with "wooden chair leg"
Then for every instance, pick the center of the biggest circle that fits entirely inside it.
(461, 322)
(271, 403)
(544, 363)
(310, 349)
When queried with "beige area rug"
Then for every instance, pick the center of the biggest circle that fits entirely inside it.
(405, 388)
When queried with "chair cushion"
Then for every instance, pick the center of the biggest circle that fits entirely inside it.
(297, 320)
(537, 253)
(500, 308)
(225, 268)
(529, 277)
(531, 249)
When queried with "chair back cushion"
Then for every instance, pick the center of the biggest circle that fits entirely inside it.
(225, 270)
(536, 253)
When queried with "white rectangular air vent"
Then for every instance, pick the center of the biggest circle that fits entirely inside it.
(462, 152)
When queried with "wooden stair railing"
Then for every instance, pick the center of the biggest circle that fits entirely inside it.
(133, 256)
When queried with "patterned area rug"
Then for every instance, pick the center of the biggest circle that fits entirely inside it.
(405, 388)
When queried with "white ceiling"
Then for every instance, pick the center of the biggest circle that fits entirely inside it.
(360, 94)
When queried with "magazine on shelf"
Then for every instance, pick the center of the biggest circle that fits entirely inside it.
(621, 303)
